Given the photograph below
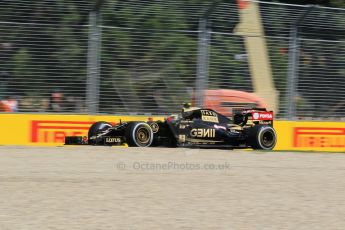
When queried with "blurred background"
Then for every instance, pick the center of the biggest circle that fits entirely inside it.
(148, 57)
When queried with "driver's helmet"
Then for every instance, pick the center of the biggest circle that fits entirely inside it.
(187, 107)
(187, 110)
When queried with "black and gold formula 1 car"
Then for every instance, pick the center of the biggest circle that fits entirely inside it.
(195, 127)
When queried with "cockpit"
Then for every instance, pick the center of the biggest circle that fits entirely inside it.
(207, 115)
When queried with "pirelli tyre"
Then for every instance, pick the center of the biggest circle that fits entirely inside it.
(139, 134)
(96, 129)
(262, 137)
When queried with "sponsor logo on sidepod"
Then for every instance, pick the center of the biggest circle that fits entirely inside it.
(203, 132)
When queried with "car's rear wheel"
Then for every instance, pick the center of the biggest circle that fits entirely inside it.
(262, 137)
(96, 129)
(139, 134)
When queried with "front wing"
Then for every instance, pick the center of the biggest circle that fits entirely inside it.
(104, 140)
(119, 141)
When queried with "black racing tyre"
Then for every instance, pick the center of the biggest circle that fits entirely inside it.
(97, 128)
(262, 137)
(139, 134)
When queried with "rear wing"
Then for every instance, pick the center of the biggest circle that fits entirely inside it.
(252, 116)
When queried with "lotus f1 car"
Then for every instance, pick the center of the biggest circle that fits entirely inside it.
(195, 127)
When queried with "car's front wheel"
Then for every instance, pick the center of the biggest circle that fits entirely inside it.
(139, 134)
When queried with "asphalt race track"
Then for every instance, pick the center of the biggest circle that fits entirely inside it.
(160, 188)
